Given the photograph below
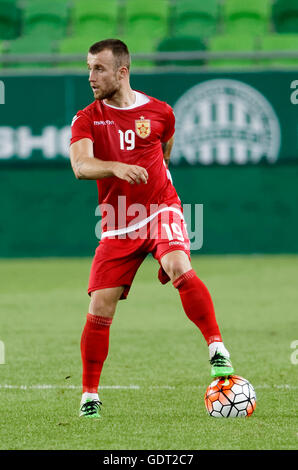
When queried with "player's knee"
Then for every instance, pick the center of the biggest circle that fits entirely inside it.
(102, 306)
(175, 268)
(175, 264)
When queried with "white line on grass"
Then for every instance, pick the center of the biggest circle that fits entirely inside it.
(131, 387)
(53, 387)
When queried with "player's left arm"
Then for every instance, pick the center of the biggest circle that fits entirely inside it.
(167, 148)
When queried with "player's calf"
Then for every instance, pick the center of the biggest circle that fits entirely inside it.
(198, 306)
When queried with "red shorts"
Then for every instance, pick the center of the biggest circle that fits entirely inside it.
(118, 257)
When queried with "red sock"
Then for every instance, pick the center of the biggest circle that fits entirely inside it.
(94, 350)
(198, 305)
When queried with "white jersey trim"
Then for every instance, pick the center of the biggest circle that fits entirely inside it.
(142, 223)
(141, 99)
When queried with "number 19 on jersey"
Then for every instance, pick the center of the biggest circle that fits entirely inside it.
(127, 140)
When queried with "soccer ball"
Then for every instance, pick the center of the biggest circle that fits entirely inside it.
(230, 397)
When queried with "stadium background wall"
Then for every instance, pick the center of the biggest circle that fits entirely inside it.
(45, 211)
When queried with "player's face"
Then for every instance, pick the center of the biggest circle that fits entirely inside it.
(103, 75)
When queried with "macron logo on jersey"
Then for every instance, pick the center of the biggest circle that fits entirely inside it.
(103, 123)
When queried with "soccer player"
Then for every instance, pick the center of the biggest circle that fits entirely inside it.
(123, 140)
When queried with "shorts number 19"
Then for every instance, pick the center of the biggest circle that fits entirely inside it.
(175, 229)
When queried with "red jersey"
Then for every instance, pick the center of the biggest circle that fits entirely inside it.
(133, 136)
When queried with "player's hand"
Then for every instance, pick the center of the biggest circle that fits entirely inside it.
(130, 173)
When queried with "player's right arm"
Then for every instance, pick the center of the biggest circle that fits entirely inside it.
(86, 167)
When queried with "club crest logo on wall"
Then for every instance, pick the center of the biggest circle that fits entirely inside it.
(143, 127)
(225, 121)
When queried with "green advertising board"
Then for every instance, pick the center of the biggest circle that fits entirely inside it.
(226, 118)
(236, 153)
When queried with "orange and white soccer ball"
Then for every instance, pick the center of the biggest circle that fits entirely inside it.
(230, 397)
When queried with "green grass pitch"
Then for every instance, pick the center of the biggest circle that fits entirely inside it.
(157, 370)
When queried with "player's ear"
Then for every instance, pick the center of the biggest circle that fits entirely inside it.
(123, 72)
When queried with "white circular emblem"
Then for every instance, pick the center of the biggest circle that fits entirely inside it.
(225, 121)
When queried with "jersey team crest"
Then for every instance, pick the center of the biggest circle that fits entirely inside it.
(143, 127)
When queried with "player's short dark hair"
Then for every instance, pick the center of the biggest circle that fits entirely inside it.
(118, 48)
